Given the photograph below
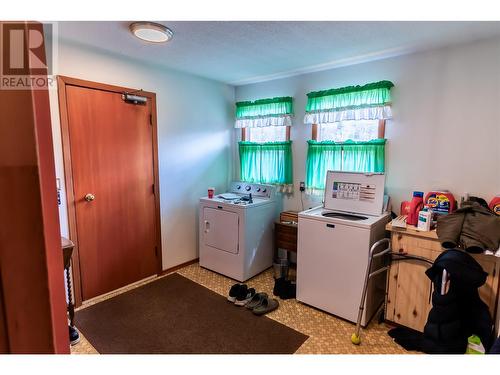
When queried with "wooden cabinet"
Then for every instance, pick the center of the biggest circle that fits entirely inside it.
(409, 290)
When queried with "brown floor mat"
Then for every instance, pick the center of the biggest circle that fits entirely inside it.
(175, 315)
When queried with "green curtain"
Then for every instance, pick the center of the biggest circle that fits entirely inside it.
(269, 163)
(265, 107)
(368, 102)
(364, 157)
(264, 112)
(348, 156)
(321, 157)
(372, 94)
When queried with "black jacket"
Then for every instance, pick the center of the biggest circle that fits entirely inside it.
(455, 315)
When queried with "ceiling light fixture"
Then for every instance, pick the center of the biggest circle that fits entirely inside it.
(151, 32)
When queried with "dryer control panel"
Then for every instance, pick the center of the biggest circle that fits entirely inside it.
(257, 190)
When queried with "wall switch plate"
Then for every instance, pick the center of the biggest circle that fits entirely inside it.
(302, 186)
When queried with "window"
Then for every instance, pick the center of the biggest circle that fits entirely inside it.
(266, 155)
(268, 134)
(363, 130)
(348, 126)
(265, 148)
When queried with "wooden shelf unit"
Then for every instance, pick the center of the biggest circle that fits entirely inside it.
(409, 289)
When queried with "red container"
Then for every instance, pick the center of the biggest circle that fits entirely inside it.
(440, 202)
(211, 192)
(405, 208)
(416, 205)
(495, 205)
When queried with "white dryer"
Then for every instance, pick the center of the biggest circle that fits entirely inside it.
(334, 242)
(236, 234)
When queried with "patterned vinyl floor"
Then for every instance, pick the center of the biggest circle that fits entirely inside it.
(327, 334)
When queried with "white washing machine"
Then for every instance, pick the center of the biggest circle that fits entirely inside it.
(333, 245)
(236, 234)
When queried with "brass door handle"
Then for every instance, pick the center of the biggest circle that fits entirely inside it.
(89, 197)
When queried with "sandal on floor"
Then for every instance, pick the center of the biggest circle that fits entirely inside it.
(266, 306)
(256, 301)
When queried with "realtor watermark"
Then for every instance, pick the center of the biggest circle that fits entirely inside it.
(28, 55)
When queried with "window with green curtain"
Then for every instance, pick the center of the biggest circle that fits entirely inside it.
(347, 156)
(269, 163)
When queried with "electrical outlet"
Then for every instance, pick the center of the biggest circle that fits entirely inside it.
(302, 186)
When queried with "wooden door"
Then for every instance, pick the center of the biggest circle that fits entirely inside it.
(112, 154)
(4, 343)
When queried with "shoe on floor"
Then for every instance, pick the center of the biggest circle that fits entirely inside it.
(233, 292)
(266, 306)
(284, 288)
(256, 301)
(244, 296)
(279, 285)
(74, 336)
(289, 290)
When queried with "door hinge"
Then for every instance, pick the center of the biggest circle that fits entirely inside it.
(156, 251)
(151, 119)
(154, 191)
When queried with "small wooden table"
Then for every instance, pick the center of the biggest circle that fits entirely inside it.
(285, 232)
(67, 248)
(409, 289)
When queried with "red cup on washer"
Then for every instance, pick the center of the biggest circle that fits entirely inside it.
(211, 192)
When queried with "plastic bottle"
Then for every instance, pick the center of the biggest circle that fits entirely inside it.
(440, 202)
(424, 220)
(416, 205)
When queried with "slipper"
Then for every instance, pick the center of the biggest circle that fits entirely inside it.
(234, 291)
(244, 296)
(256, 301)
(267, 305)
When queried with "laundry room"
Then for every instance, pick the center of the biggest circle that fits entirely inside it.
(190, 184)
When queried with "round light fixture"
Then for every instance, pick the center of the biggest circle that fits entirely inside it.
(151, 32)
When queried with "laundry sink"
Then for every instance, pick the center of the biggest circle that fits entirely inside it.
(344, 216)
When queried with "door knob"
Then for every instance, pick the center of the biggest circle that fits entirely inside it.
(89, 197)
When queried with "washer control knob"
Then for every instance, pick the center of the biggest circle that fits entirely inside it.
(248, 188)
(258, 189)
(265, 190)
(238, 187)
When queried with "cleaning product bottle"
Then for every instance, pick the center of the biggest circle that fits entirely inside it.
(440, 202)
(416, 205)
(424, 219)
(495, 205)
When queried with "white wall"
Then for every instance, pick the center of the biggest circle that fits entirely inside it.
(195, 117)
(446, 127)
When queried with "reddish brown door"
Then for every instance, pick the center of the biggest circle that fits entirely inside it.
(111, 145)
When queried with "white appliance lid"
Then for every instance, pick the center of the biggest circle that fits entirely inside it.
(355, 192)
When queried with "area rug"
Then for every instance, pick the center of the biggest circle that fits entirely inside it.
(174, 315)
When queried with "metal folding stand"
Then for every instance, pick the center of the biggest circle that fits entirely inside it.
(377, 251)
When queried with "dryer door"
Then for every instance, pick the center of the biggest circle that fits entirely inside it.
(221, 229)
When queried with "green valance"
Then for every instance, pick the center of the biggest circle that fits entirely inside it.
(264, 112)
(368, 102)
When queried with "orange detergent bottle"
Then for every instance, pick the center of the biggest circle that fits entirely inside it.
(440, 202)
(495, 205)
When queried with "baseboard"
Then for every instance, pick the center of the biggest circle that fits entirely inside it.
(178, 267)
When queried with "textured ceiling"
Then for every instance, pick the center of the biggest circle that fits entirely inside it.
(246, 52)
